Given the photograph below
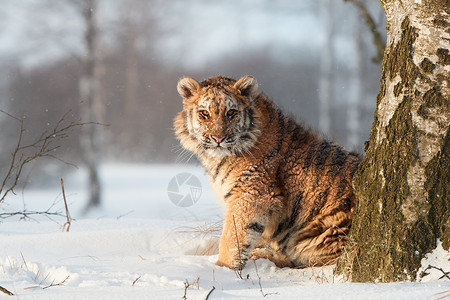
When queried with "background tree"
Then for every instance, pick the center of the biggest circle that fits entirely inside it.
(403, 181)
(325, 92)
(89, 138)
(144, 46)
(356, 92)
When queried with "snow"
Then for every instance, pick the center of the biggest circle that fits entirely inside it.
(139, 245)
(438, 258)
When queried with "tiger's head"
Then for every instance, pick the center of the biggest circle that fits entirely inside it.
(219, 116)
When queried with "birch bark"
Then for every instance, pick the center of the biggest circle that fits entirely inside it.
(403, 182)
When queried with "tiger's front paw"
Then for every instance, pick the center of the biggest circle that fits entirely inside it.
(234, 263)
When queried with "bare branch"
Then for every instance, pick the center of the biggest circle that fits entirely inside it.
(445, 294)
(2, 289)
(259, 282)
(209, 293)
(13, 158)
(66, 225)
(195, 283)
(238, 271)
(377, 38)
(56, 284)
(134, 282)
(28, 214)
(445, 274)
(43, 146)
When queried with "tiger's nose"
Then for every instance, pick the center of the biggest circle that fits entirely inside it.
(218, 139)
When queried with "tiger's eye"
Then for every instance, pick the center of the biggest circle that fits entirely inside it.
(232, 113)
(204, 114)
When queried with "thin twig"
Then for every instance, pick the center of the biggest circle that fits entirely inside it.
(445, 294)
(13, 159)
(56, 284)
(377, 38)
(2, 289)
(259, 282)
(136, 280)
(24, 262)
(210, 291)
(41, 147)
(214, 280)
(187, 285)
(125, 214)
(47, 286)
(66, 225)
(446, 274)
(27, 214)
(238, 271)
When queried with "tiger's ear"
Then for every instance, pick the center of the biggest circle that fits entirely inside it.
(247, 86)
(187, 87)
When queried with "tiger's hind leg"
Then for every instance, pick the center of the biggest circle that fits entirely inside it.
(320, 242)
(322, 249)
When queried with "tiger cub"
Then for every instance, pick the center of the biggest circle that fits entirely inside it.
(287, 191)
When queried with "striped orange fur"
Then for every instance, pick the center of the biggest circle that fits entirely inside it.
(287, 190)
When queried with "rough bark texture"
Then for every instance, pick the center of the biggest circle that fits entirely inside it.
(403, 182)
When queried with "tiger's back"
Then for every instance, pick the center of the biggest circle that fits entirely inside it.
(287, 191)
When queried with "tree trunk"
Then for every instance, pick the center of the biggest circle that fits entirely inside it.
(403, 181)
(131, 101)
(90, 107)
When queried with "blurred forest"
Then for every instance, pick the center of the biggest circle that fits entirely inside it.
(145, 46)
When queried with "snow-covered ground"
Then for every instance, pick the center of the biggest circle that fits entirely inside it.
(139, 245)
